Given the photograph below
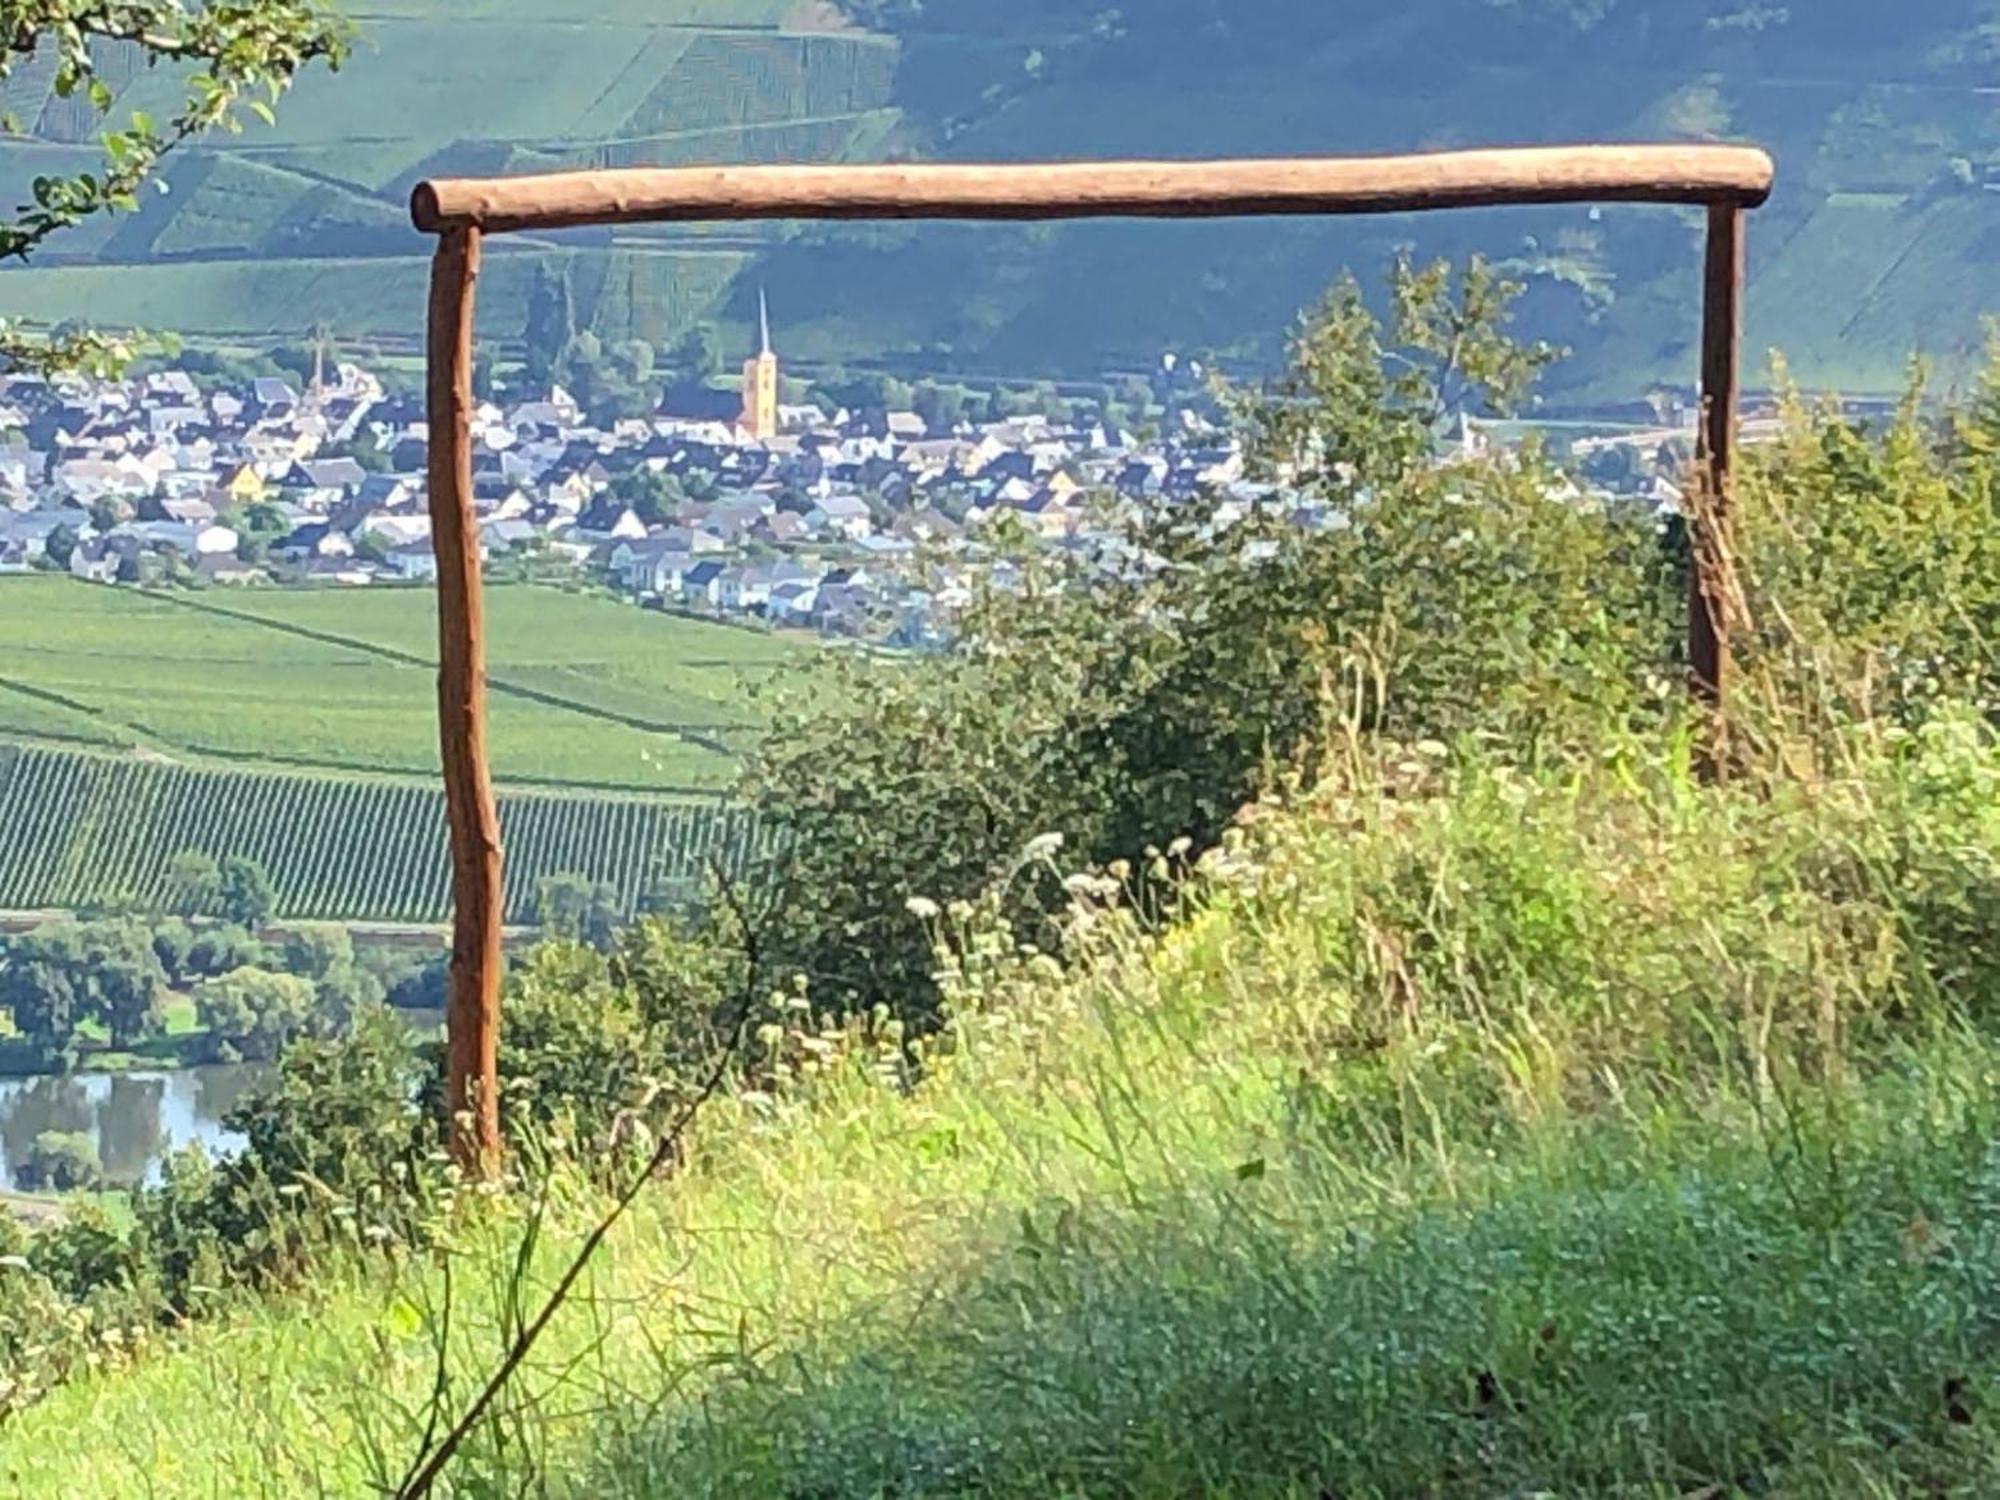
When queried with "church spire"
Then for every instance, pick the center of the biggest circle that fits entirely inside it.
(760, 381)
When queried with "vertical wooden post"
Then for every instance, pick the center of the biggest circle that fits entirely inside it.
(472, 1018)
(1709, 512)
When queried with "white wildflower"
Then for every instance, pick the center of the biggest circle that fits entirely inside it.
(1043, 846)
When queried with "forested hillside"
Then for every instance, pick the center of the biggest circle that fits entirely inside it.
(1886, 125)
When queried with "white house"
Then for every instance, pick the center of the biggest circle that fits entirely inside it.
(843, 515)
(413, 560)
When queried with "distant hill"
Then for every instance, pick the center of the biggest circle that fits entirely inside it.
(1880, 240)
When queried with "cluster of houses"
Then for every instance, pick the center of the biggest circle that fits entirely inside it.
(869, 524)
(787, 513)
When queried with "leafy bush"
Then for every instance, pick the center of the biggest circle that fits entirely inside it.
(1871, 559)
(225, 947)
(340, 1151)
(411, 981)
(598, 1045)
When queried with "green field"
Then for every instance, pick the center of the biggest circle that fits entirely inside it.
(298, 727)
(301, 221)
(586, 693)
(81, 830)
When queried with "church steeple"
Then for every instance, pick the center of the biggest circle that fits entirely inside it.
(760, 381)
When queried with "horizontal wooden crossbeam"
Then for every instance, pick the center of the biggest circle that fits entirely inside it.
(1737, 175)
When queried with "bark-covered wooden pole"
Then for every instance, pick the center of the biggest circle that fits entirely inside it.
(1709, 521)
(472, 1019)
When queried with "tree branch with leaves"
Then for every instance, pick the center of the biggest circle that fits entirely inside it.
(237, 57)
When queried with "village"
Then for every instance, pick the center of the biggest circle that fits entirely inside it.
(871, 524)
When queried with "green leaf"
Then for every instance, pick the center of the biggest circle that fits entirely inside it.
(403, 1320)
(1251, 1171)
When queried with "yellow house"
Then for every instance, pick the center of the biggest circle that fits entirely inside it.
(244, 485)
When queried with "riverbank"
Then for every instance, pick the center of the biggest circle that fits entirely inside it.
(182, 1042)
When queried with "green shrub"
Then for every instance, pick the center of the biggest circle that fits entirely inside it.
(219, 949)
(598, 1045)
(341, 1151)
(252, 1013)
(1871, 559)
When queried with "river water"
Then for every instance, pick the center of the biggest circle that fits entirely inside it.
(137, 1119)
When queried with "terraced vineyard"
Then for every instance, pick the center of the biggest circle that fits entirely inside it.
(1887, 209)
(81, 830)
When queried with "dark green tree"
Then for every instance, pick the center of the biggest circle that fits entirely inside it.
(38, 988)
(694, 357)
(250, 1014)
(65, 974)
(127, 980)
(173, 944)
(314, 951)
(653, 494)
(575, 907)
(216, 950)
(551, 325)
(194, 882)
(60, 544)
(60, 1161)
(325, 955)
(245, 895)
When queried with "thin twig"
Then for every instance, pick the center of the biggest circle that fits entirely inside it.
(441, 1383)
(431, 1460)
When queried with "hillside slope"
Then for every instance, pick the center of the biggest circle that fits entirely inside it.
(1486, 1132)
(1888, 139)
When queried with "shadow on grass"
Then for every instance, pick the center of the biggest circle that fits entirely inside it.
(1715, 1316)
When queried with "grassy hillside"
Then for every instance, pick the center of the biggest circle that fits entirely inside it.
(585, 692)
(1483, 1132)
(1888, 139)
(1495, 1104)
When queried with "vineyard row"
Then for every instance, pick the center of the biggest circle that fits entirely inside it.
(80, 830)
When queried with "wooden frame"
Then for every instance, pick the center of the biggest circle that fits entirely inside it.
(1725, 180)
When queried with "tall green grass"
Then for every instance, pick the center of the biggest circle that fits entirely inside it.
(1476, 1131)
